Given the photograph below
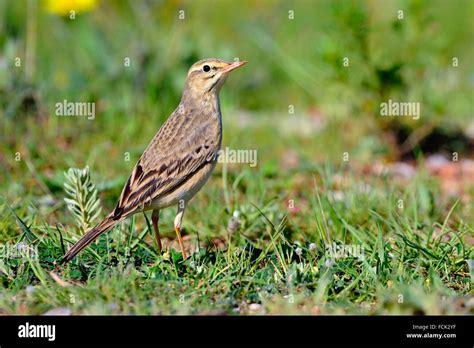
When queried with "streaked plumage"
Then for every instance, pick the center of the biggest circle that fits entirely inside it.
(179, 159)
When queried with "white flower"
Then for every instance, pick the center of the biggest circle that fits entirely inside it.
(234, 222)
(21, 246)
(329, 262)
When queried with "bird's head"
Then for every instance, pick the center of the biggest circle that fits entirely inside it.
(208, 75)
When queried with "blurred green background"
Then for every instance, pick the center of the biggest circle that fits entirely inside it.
(295, 62)
(295, 102)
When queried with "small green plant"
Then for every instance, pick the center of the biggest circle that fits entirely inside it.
(83, 201)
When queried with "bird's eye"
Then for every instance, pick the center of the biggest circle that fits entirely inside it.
(206, 68)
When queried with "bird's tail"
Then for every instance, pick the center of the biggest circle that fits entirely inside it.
(101, 227)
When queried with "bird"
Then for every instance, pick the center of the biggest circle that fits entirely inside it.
(179, 159)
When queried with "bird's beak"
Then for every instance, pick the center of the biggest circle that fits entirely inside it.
(233, 66)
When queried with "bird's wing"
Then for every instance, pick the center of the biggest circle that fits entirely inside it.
(179, 150)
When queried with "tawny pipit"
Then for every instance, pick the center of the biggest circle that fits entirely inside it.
(179, 159)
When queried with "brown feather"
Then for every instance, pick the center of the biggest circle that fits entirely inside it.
(167, 161)
(90, 236)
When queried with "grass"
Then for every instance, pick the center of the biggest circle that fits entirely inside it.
(259, 237)
(414, 259)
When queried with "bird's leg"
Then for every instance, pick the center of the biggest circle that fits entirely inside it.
(155, 216)
(177, 226)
